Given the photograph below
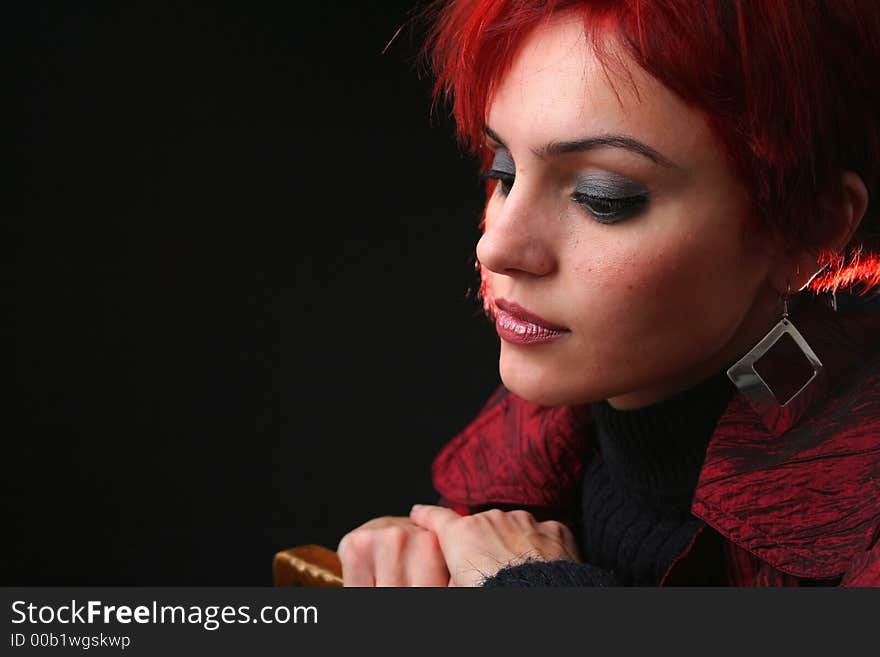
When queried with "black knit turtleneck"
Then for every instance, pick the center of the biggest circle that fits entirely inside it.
(637, 491)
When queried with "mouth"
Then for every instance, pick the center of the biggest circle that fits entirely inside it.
(520, 326)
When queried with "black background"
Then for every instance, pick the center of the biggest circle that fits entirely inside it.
(237, 254)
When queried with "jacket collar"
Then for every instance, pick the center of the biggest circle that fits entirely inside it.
(806, 501)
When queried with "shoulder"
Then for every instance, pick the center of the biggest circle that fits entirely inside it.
(517, 453)
(806, 501)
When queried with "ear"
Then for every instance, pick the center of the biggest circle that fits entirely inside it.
(795, 268)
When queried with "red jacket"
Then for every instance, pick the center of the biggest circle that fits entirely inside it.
(788, 509)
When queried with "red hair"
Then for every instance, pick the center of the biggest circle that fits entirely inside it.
(790, 89)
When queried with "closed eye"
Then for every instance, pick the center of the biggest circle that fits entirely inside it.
(608, 210)
(604, 209)
(505, 179)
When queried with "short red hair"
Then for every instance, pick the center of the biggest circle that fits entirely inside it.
(790, 89)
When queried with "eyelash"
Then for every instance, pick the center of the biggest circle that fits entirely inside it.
(609, 210)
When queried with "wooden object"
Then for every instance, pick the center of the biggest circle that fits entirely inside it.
(307, 565)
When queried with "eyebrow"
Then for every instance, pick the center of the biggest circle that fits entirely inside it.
(555, 148)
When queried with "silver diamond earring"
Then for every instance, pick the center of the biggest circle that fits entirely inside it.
(784, 356)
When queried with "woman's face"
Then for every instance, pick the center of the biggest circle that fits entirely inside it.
(625, 226)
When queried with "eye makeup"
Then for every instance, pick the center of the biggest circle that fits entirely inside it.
(609, 197)
(502, 169)
(504, 161)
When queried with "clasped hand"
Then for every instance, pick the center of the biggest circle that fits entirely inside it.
(435, 546)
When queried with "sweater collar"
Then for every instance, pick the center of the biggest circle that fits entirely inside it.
(654, 453)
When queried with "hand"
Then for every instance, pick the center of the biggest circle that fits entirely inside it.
(391, 551)
(478, 546)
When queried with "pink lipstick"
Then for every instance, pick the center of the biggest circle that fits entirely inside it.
(517, 325)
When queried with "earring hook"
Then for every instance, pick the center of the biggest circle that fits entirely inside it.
(785, 300)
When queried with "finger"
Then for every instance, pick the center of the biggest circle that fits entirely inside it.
(522, 518)
(562, 536)
(554, 528)
(433, 518)
(357, 561)
(376, 523)
(388, 561)
(425, 564)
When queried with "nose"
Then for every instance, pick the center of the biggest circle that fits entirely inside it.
(516, 239)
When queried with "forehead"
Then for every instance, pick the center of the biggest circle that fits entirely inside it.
(557, 88)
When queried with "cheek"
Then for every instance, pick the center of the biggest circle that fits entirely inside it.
(657, 289)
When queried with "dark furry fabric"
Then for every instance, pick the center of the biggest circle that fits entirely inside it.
(550, 573)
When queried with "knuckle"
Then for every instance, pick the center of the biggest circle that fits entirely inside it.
(426, 541)
(376, 523)
(358, 542)
(385, 535)
(555, 527)
(523, 516)
(493, 514)
(393, 536)
(474, 521)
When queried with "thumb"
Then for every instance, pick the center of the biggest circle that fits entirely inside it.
(433, 518)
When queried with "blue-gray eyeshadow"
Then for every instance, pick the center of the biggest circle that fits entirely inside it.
(503, 162)
(608, 185)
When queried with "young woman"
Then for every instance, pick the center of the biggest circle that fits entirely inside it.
(678, 220)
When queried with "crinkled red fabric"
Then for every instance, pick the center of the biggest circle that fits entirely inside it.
(865, 569)
(515, 452)
(808, 500)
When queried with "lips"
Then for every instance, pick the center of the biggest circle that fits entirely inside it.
(519, 326)
(520, 313)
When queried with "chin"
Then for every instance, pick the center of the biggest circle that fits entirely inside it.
(541, 386)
